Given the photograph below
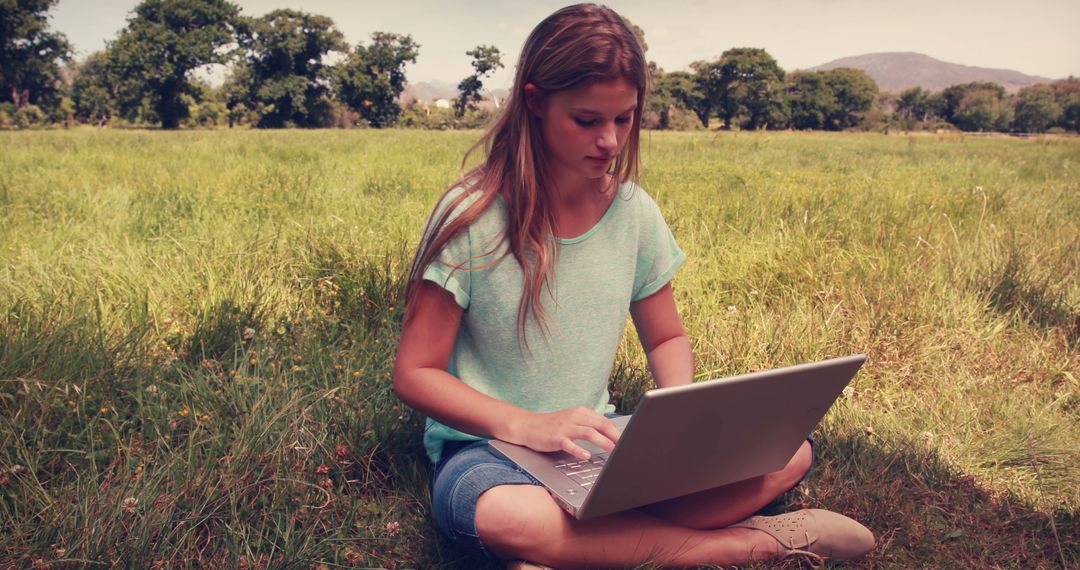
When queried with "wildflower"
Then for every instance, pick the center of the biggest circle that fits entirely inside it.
(129, 504)
(253, 361)
(232, 374)
(732, 308)
(849, 391)
(206, 417)
(392, 528)
(341, 452)
(151, 389)
(295, 368)
(322, 469)
(185, 411)
(326, 484)
(249, 333)
(104, 410)
(338, 367)
(297, 358)
(356, 374)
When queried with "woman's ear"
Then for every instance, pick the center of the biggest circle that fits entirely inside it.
(534, 99)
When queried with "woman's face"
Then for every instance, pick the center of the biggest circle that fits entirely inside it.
(584, 128)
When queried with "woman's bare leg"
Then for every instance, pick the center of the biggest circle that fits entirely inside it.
(523, 521)
(720, 507)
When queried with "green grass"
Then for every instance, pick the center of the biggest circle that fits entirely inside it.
(197, 332)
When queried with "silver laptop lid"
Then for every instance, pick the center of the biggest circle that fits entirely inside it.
(690, 438)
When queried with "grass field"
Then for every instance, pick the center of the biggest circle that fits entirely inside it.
(197, 332)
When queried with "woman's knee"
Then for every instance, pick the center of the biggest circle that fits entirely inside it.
(796, 469)
(511, 519)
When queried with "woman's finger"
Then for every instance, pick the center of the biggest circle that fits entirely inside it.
(607, 429)
(597, 438)
(574, 449)
(603, 425)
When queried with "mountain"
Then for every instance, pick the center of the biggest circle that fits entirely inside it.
(429, 91)
(900, 70)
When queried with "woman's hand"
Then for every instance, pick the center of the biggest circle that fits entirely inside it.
(556, 431)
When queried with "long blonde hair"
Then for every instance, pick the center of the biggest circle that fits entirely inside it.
(576, 46)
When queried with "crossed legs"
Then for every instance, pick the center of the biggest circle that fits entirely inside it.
(523, 521)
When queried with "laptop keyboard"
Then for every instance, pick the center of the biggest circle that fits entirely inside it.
(584, 472)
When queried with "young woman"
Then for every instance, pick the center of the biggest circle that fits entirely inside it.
(516, 302)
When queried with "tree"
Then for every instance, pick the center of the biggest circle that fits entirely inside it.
(164, 41)
(486, 59)
(371, 78)
(1070, 113)
(92, 90)
(1067, 95)
(983, 108)
(810, 99)
(707, 75)
(284, 70)
(29, 53)
(952, 96)
(750, 85)
(677, 92)
(913, 106)
(831, 100)
(236, 93)
(854, 91)
(1036, 109)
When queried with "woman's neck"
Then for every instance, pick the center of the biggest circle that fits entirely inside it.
(579, 208)
(573, 192)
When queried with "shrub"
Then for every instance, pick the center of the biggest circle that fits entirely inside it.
(30, 116)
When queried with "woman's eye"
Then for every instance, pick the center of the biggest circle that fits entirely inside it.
(585, 122)
(623, 120)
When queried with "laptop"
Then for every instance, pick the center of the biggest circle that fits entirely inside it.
(685, 439)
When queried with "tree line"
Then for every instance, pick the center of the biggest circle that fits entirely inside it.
(279, 75)
(746, 89)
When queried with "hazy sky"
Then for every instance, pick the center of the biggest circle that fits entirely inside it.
(1037, 37)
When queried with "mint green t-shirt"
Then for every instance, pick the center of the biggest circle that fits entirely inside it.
(627, 256)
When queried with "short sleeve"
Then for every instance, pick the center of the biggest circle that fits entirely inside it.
(659, 256)
(445, 270)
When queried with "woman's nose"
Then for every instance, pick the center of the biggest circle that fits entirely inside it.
(607, 141)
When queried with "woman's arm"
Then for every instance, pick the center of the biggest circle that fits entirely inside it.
(664, 339)
(422, 382)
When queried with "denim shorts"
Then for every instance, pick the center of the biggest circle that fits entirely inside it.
(467, 470)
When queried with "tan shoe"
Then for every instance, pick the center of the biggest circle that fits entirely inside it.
(820, 532)
(526, 565)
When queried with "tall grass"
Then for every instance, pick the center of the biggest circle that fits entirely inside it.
(197, 332)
